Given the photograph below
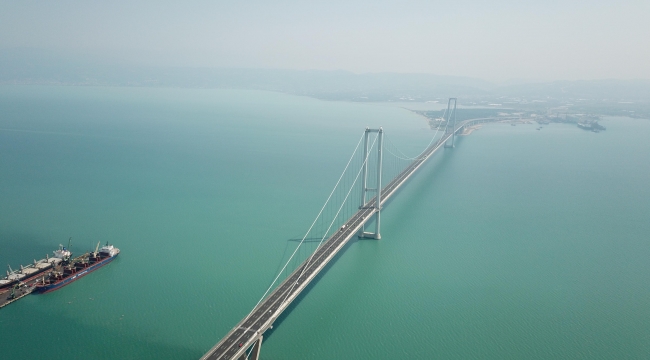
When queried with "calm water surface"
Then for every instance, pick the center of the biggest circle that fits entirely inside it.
(517, 244)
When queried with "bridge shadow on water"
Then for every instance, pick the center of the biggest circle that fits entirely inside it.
(308, 288)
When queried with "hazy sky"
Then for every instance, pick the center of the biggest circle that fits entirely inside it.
(494, 40)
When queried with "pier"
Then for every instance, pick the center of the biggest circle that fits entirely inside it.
(18, 291)
(27, 284)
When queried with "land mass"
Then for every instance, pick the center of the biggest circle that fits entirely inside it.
(629, 98)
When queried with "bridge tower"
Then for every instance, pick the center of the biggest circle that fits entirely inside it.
(365, 189)
(451, 113)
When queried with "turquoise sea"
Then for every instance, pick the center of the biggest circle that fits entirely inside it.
(516, 244)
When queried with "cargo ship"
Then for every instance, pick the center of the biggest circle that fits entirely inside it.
(74, 269)
(31, 271)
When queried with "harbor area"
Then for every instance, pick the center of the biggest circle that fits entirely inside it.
(16, 292)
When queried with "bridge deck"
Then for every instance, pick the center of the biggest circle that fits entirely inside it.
(248, 330)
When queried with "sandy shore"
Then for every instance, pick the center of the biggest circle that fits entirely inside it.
(468, 130)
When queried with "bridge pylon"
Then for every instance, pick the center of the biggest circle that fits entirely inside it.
(451, 113)
(365, 189)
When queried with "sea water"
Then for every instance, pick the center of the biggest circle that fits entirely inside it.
(516, 244)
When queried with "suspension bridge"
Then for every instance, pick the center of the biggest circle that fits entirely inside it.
(353, 205)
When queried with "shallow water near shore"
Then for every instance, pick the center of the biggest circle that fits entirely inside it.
(516, 244)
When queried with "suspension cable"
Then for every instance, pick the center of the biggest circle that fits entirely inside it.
(340, 207)
(333, 220)
(418, 157)
(312, 225)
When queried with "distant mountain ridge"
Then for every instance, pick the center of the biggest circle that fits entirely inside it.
(33, 66)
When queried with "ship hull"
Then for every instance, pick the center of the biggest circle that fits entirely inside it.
(26, 278)
(42, 289)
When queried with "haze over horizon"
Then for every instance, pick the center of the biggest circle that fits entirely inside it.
(499, 42)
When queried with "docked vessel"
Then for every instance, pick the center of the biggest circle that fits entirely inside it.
(31, 271)
(74, 269)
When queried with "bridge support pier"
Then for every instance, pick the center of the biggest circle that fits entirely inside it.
(380, 147)
(255, 353)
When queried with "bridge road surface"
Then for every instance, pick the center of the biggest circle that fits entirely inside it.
(261, 318)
